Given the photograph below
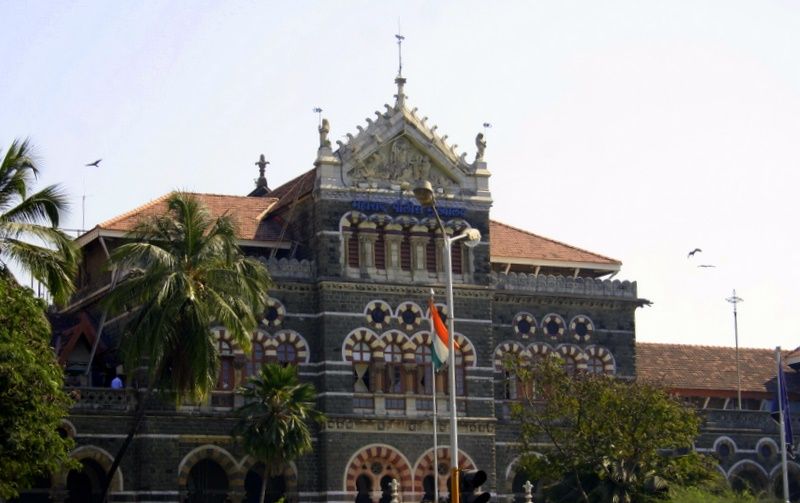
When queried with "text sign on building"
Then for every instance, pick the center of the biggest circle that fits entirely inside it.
(406, 207)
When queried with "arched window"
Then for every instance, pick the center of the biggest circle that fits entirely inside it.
(208, 483)
(595, 365)
(225, 381)
(425, 377)
(362, 357)
(393, 356)
(256, 360)
(286, 354)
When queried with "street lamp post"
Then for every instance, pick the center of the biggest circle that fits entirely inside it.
(735, 300)
(426, 197)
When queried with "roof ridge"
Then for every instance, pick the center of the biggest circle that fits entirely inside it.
(555, 241)
(709, 346)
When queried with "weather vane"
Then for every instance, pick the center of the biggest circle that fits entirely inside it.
(486, 126)
(318, 111)
(400, 39)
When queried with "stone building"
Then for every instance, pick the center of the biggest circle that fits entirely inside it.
(354, 258)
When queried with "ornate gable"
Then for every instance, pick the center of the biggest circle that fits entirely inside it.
(395, 151)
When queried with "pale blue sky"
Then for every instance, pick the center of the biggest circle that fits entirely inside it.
(638, 130)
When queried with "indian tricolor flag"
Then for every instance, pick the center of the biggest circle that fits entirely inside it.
(440, 338)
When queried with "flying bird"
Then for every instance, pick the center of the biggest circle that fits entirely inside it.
(95, 163)
(706, 265)
(691, 253)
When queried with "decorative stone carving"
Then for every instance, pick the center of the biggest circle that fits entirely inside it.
(480, 142)
(398, 161)
(324, 129)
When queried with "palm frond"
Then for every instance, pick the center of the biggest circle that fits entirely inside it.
(51, 267)
(47, 205)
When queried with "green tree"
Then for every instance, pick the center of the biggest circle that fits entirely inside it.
(606, 439)
(29, 235)
(185, 272)
(273, 423)
(32, 400)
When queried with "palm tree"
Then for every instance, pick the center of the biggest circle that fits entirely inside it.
(273, 423)
(184, 273)
(51, 258)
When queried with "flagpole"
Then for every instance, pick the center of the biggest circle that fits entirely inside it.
(784, 466)
(435, 427)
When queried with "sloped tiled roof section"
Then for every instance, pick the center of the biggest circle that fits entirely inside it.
(293, 189)
(508, 242)
(246, 212)
(709, 368)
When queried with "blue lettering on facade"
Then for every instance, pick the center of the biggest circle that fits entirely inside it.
(407, 207)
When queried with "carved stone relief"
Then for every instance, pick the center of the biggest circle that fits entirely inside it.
(398, 161)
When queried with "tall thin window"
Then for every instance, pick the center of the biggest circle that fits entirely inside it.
(226, 373)
(380, 250)
(362, 356)
(430, 255)
(352, 250)
(256, 360)
(456, 258)
(405, 253)
(460, 377)
(425, 377)
(393, 356)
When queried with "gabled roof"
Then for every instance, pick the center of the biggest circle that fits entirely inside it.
(709, 368)
(246, 212)
(293, 189)
(516, 246)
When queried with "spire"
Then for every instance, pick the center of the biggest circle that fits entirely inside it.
(261, 182)
(400, 97)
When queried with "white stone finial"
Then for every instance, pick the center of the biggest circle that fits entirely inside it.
(395, 485)
(528, 491)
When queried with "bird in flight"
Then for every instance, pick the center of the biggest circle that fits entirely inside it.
(691, 253)
(96, 163)
(706, 265)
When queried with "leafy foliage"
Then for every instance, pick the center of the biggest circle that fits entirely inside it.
(605, 438)
(29, 235)
(31, 394)
(185, 273)
(273, 424)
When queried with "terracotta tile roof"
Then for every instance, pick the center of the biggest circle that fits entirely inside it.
(245, 211)
(293, 189)
(679, 366)
(508, 241)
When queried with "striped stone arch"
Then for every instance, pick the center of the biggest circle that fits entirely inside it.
(604, 355)
(362, 335)
(263, 338)
(376, 461)
(274, 313)
(295, 340)
(581, 328)
(402, 340)
(289, 475)
(217, 454)
(407, 221)
(575, 352)
(380, 219)
(538, 349)
(425, 466)
(513, 348)
(467, 350)
(221, 333)
(97, 454)
(68, 428)
(558, 323)
(407, 310)
(750, 474)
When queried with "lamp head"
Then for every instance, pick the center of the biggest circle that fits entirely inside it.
(423, 191)
(473, 237)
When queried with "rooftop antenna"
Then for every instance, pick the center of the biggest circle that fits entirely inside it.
(735, 300)
(318, 111)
